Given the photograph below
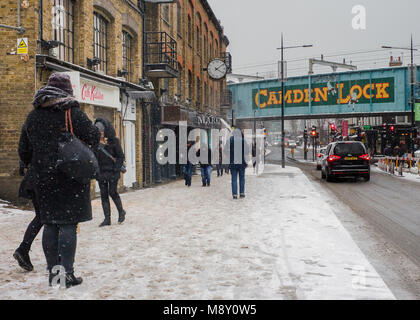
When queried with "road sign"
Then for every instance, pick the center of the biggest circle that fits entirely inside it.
(22, 46)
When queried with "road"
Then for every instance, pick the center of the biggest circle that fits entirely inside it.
(390, 206)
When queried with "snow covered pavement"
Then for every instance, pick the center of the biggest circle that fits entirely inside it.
(282, 242)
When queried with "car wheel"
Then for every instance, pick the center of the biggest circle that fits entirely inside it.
(367, 177)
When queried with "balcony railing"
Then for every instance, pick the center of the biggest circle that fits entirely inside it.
(161, 55)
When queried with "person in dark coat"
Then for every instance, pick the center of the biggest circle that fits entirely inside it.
(110, 158)
(205, 165)
(238, 162)
(27, 191)
(219, 166)
(63, 202)
(188, 168)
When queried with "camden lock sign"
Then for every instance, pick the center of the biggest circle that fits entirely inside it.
(381, 90)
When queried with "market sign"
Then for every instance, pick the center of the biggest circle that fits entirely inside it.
(381, 90)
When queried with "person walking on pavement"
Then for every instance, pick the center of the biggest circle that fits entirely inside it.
(220, 167)
(27, 191)
(111, 159)
(63, 202)
(205, 165)
(188, 168)
(238, 162)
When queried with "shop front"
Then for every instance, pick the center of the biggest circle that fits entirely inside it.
(171, 116)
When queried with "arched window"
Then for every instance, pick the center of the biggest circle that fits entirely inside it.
(127, 55)
(179, 17)
(206, 44)
(100, 41)
(190, 85)
(63, 28)
(189, 26)
(198, 92)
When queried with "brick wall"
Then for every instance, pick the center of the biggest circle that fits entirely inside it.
(19, 79)
(193, 59)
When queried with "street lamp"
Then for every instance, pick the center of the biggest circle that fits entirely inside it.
(413, 121)
(282, 48)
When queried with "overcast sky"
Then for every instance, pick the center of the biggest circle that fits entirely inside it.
(254, 27)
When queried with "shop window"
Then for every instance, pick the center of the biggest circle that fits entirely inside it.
(127, 55)
(63, 28)
(100, 41)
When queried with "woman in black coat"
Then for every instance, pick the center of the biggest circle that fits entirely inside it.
(111, 159)
(27, 191)
(63, 202)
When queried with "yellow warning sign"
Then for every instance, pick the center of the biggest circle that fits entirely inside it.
(22, 46)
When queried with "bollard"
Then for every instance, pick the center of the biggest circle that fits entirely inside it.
(400, 169)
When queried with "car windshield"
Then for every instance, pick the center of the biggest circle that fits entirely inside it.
(343, 149)
(323, 151)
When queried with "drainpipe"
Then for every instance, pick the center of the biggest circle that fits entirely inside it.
(19, 28)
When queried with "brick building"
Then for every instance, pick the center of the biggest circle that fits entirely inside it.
(108, 48)
(99, 43)
(181, 39)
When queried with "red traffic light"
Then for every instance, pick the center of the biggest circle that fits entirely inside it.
(333, 127)
(313, 133)
(392, 128)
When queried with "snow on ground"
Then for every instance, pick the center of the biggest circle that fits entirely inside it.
(406, 175)
(282, 242)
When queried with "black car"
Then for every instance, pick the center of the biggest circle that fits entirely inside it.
(344, 159)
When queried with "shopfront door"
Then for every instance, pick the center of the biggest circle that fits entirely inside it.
(130, 154)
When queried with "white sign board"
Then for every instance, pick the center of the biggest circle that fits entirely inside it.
(128, 108)
(95, 93)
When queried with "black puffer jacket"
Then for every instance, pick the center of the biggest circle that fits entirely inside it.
(62, 200)
(109, 169)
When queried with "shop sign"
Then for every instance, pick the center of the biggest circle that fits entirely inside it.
(207, 120)
(381, 90)
(95, 93)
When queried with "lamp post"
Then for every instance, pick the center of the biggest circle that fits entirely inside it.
(282, 48)
(413, 121)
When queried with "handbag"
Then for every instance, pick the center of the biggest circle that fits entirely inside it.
(123, 167)
(75, 159)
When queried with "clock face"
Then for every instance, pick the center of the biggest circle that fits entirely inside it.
(217, 69)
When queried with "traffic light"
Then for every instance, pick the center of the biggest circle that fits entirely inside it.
(313, 133)
(333, 127)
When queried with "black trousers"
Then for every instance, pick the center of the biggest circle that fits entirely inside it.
(109, 189)
(33, 228)
(59, 243)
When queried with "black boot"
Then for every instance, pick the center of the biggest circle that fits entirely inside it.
(106, 222)
(107, 212)
(72, 281)
(121, 217)
(22, 257)
(52, 276)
